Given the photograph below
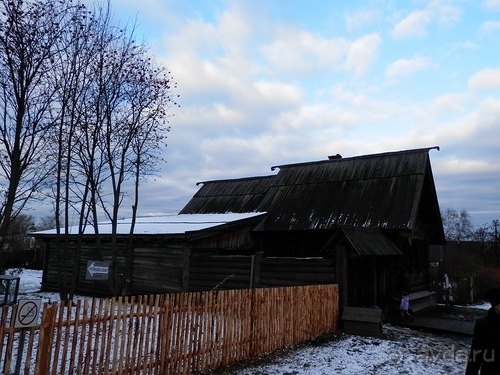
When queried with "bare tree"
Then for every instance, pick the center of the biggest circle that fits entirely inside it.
(117, 118)
(46, 222)
(29, 40)
(85, 115)
(457, 225)
(20, 227)
(16, 238)
(133, 101)
(72, 176)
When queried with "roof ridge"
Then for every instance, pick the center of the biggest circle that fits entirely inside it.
(237, 179)
(424, 149)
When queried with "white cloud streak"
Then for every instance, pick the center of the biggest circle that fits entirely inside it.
(406, 67)
(486, 79)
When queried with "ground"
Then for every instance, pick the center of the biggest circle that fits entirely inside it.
(401, 351)
(456, 312)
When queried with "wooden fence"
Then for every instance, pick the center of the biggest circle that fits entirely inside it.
(166, 334)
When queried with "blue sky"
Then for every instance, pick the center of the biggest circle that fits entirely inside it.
(265, 83)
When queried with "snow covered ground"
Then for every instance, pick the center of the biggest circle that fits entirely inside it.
(30, 285)
(401, 351)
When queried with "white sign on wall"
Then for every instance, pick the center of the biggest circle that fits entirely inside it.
(97, 270)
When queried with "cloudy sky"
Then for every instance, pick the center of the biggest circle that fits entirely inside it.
(265, 83)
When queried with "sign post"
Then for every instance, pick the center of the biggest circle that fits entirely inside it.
(26, 317)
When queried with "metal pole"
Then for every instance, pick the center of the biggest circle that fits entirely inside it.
(495, 225)
(20, 349)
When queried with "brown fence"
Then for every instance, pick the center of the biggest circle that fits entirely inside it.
(169, 334)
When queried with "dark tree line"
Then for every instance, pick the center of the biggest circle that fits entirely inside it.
(458, 226)
(84, 119)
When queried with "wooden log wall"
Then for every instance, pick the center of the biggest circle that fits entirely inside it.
(169, 266)
(158, 269)
(66, 260)
(296, 271)
(219, 272)
(240, 272)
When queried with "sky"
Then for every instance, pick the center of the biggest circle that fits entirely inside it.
(265, 83)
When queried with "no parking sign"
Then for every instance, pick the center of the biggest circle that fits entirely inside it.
(27, 313)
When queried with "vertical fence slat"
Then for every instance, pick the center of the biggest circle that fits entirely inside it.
(10, 340)
(66, 328)
(45, 339)
(101, 337)
(3, 327)
(106, 353)
(57, 338)
(198, 344)
(152, 363)
(83, 332)
(136, 331)
(74, 339)
(142, 327)
(90, 331)
(123, 305)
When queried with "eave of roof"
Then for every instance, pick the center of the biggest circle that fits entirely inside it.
(369, 242)
(156, 225)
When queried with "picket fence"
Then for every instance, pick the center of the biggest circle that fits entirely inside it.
(181, 333)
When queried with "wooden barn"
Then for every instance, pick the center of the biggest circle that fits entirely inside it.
(364, 222)
(374, 215)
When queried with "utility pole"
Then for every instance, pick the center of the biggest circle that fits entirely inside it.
(495, 226)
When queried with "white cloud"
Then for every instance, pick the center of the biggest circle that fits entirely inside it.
(406, 67)
(413, 25)
(449, 103)
(485, 79)
(491, 4)
(360, 18)
(489, 27)
(456, 165)
(447, 15)
(362, 53)
(417, 23)
(298, 52)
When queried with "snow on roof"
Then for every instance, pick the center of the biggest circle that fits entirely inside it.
(169, 224)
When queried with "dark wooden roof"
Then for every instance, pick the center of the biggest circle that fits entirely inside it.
(239, 195)
(384, 191)
(369, 242)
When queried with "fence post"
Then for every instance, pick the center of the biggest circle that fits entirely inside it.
(255, 270)
(186, 269)
(44, 351)
(471, 289)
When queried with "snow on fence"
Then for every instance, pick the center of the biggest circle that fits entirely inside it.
(166, 334)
